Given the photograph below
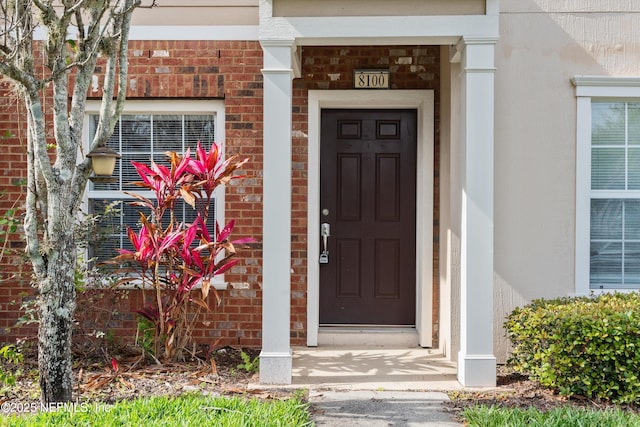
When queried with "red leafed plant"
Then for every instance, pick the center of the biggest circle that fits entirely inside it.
(178, 260)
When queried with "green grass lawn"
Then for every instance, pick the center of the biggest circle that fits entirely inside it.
(186, 410)
(483, 416)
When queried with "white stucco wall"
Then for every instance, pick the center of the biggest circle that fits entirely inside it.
(543, 43)
(198, 13)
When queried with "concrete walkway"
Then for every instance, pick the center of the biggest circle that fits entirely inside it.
(376, 386)
(380, 408)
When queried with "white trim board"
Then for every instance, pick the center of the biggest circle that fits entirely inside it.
(179, 32)
(194, 32)
(423, 102)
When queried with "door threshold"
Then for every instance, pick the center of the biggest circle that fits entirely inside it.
(368, 336)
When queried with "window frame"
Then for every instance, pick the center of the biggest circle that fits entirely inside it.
(159, 107)
(588, 90)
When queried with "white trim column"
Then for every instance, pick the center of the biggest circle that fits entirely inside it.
(275, 358)
(476, 361)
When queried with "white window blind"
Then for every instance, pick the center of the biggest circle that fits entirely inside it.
(615, 195)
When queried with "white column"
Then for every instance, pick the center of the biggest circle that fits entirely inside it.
(275, 358)
(476, 361)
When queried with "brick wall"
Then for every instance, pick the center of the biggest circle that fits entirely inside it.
(411, 67)
(229, 70)
(14, 275)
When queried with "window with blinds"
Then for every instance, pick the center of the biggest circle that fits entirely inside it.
(615, 195)
(142, 138)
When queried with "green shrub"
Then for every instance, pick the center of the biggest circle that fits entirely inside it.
(11, 355)
(249, 365)
(580, 346)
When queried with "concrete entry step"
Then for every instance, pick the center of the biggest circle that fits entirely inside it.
(379, 336)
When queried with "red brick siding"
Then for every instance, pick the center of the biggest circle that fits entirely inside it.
(13, 274)
(229, 70)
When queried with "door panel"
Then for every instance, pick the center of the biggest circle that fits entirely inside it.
(348, 266)
(368, 192)
(349, 184)
(387, 268)
(387, 187)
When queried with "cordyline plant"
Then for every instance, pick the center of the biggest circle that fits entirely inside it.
(178, 260)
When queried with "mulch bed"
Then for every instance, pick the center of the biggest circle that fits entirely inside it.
(98, 380)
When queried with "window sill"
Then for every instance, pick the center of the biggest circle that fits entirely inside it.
(595, 292)
(217, 284)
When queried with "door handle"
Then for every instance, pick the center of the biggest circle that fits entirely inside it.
(325, 232)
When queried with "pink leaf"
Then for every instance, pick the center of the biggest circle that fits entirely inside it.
(170, 240)
(202, 227)
(226, 231)
(226, 267)
(201, 155)
(161, 171)
(183, 166)
(149, 312)
(190, 234)
(197, 260)
(144, 172)
(244, 240)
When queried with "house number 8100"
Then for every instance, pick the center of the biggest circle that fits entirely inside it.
(371, 79)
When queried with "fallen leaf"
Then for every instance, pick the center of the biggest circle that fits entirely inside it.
(126, 383)
(97, 381)
(214, 367)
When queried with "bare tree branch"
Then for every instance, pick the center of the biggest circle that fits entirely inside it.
(31, 213)
(74, 9)
(38, 125)
(117, 54)
(121, 22)
(17, 62)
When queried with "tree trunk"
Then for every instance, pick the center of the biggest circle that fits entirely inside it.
(54, 341)
(54, 190)
(57, 305)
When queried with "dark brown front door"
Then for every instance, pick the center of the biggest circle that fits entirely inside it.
(368, 198)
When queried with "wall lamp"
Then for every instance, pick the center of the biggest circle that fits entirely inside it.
(103, 161)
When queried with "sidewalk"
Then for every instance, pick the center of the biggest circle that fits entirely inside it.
(376, 386)
(380, 408)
